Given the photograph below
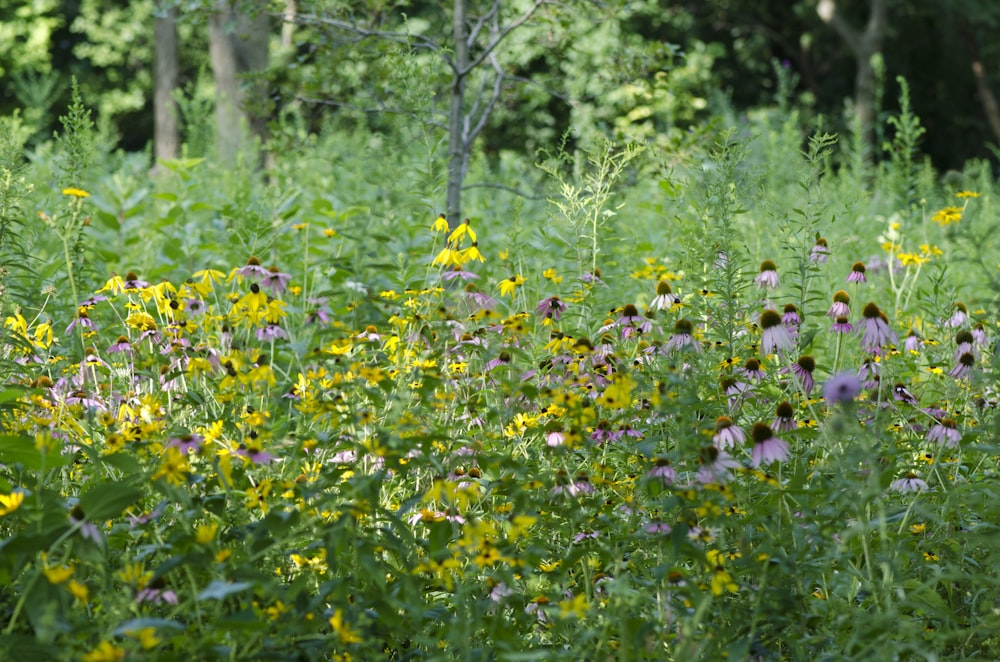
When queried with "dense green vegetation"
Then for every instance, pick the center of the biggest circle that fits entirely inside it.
(699, 377)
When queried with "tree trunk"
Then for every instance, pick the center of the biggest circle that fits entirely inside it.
(238, 50)
(986, 98)
(458, 150)
(166, 133)
(864, 47)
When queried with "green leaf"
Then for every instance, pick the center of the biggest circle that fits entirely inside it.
(219, 590)
(19, 450)
(108, 500)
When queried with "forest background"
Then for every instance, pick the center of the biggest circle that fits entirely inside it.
(638, 70)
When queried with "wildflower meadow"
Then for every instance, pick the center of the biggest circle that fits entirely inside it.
(731, 398)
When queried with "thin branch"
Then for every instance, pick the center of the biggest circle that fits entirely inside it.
(515, 191)
(371, 111)
(474, 32)
(417, 41)
(497, 89)
(506, 30)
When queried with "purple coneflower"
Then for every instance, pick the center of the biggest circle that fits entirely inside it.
(857, 274)
(869, 373)
(841, 388)
(682, 338)
(979, 335)
(841, 306)
(458, 272)
(766, 447)
(752, 371)
(965, 343)
(775, 337)
(959, 317)
(550, 308)
(133, 282)
(187, 442)
(790, 316)
(784, 417)
(767, 279)
(874, 329)
(913, 342)
(909, 483)
(664, 299)
(631, 322)
(715, 466)
(727, 433)
(271, 332)
(820, 252)
(945, 432)
(663, 471)
(122, 344)
(276, 281)
(803, 369)
(252, 269)
(842, 325)
(963, 368)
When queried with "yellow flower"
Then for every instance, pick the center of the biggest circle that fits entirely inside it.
(75, 192)
(145, 636)
(105, 652)
(57, 574)
(967, 194)
(329, 232)
(917, 529)
(174, 467)
(508, 285)
(79, 590)
(10, 502)
(343, 630)
(574, 608)
(911, 259)
(550, 274)
(472, 253)
(440, 224)
(205, 533)
(947, 215)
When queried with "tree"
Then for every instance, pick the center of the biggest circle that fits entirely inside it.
(238, 46)
(166, 74)
(472, 54)
(865, 45)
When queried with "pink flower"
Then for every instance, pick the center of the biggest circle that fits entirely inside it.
(767, 279)
(715, 466)
(775, 337)
(841, 305)
(962, 369)
(663, 471)
(841, 388)
(874, 329)
(857, 274)
(766, 447)
(909, 483)
(803, 369)
(784, 418)
(820, 253)
(727, 434)
(945, 433)
(682, 338)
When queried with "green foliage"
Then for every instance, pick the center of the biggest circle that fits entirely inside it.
(295, 418)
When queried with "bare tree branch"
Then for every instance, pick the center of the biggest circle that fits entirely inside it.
(506, 30)
(497, 89)
(418, 41)
(517, 192)
(474, 32)
(371, 111)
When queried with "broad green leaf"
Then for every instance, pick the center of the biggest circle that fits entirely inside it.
(108, 500)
